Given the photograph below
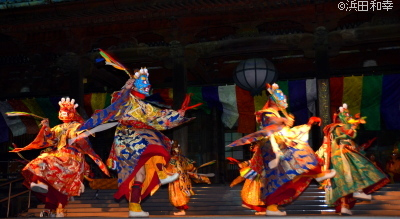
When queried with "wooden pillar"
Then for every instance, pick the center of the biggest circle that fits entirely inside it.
(322, 64)
(179, 91)
(324, 101)
(218, 147)
(323, 73)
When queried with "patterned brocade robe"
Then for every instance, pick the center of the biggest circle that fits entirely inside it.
(180, 190)
(251, 191)
(61, 165)
(297, 165)
(354, 172)
(138, 141)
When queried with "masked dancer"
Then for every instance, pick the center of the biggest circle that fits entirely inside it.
(357, 177)
(140, 151)
(57, 173)
(288, 161)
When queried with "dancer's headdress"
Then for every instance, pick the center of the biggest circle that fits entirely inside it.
(68, 111)
(346, 118)
(277, 95)
(141, 84)
(278, 99)
(344, 114)
(176, 146)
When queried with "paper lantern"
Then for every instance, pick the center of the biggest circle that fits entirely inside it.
(253, 74)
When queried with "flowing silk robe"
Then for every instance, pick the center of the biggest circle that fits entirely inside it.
(297, 164)
(251, 191)
(138, 141)
(61, 165)
(180, 190)
(354, 172)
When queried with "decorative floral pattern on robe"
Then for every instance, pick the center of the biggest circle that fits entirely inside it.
(296, 160)
(354, 172)
(137, 138)
(61, 165)
(180, 190)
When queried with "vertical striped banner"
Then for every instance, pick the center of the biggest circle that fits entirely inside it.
(260, 100)
(197, 97)
(34, 107)
(108, 99)
(227, 96)
(352, 93)
(371, 96)
(371, 101)
(336, 93)
(245, 105)
(298, 101)
(210, 95)
(390, 103)
(166, 94)
(98, 101)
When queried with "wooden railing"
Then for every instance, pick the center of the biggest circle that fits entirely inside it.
(8, 199)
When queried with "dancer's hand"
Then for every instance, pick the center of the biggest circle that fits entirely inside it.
(129, 83)
(45, 122)
(273, 163)
(314, 120)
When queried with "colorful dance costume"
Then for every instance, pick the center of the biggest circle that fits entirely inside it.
(288, 161)
(180, 190)
(139, 151)
(356, 175)
(251, 191)
(57, 173)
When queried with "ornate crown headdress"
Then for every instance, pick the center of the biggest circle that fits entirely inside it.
(344, 114)
(68, 105)
(346, 118)
(278, 99)
(142, 71)
(277, 95)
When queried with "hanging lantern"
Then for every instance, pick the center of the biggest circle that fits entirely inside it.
(253, 74)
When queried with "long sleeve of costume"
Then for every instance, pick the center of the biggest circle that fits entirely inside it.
(138, 140)
(180, 190)
(44, 139)
(251, 191)
(111, 113)
(64, 166)
(254, 166)
(145, 115)
(87, 149)
(272, 123)
(354, 171)
(294, 169)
